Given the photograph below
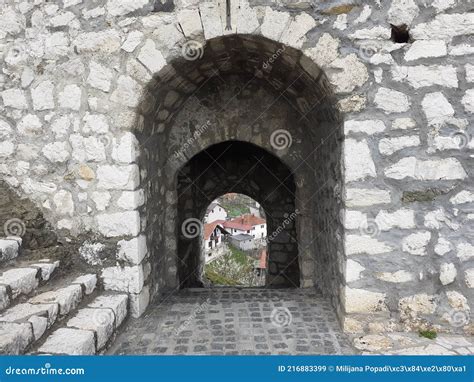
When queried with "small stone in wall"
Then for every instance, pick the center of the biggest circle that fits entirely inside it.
(64, 203)
(358, 160)
(364, 244)
(426, 48)
(465, 251)
(403, 124)
(42, 95)
(100, 77)
(56, 152)
(134, 39)
(105, 42)
(325, 51)
(456, 300)
(127, 92)
(388, 146)
(364, 301)
(350, 73)
(14, 98)
(391, 101)
(440, 169)
(362, 197)
(151, 57)
(469, 277)
(437, 108)
(468, 100)
(91, 253)
(462, 197)
(423, 76)
(447, 273)
(101, 199)
(86, 173)
(437, 218)
(353, 270)
(402, 12)
(352, 103)
(124, 7)
(402, 218)
(119, 224)
(416, 243)
(412, 306)
(442, 247)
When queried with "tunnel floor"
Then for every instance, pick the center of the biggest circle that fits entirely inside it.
(235, 321)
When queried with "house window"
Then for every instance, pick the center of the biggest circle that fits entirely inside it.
(248, 231)
(262, 226)
(210, 244)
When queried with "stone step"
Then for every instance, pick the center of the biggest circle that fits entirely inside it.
(9, 248)
(90, 329)
(25, 323)
(23, 281)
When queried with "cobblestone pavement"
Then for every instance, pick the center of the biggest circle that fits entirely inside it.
(233, 321)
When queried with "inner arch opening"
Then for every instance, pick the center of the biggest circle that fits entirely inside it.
(244, 168)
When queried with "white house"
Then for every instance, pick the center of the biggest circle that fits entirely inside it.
(214, 233)
(215, 212)
(247, 225)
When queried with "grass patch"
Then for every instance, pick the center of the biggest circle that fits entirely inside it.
(430, 334)
(218, 279)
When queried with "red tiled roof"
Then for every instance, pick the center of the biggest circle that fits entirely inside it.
(209, 228)
(244, 222)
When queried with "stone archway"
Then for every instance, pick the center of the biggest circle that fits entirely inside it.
(240, 167)
(248, 89)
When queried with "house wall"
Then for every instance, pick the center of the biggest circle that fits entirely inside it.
(217, 213)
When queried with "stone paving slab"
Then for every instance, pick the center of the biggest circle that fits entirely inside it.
(232, 321)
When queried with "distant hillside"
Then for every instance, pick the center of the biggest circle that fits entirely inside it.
(236, 204)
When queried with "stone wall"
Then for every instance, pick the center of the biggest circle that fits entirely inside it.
(90, 96)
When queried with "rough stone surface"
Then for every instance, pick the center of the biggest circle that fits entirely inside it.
(69, 341)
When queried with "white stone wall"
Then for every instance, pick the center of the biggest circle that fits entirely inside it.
(74, 72)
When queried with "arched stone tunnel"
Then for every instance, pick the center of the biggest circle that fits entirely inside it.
(267, 113)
